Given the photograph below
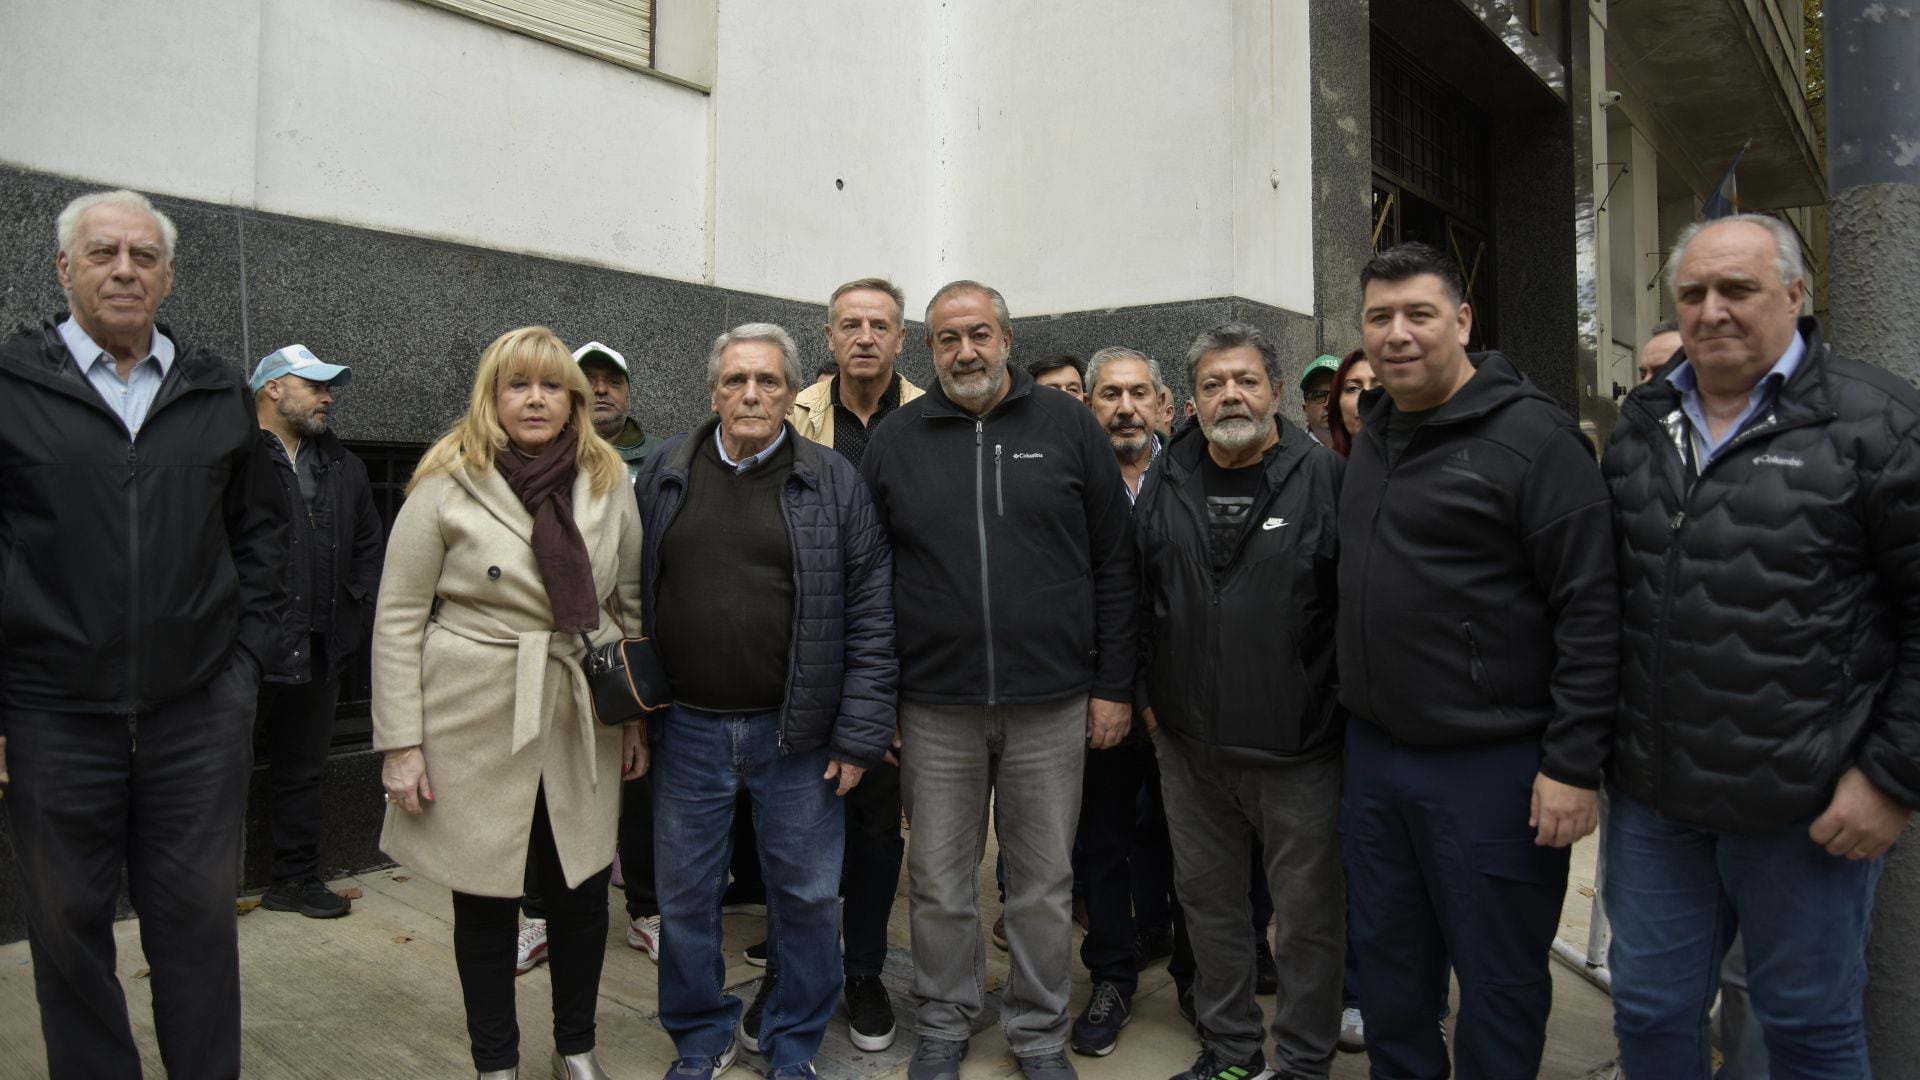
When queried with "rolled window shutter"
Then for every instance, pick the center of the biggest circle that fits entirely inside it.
(616, 30)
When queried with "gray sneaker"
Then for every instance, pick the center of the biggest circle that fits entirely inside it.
(937, 1059)
(1052, 1065)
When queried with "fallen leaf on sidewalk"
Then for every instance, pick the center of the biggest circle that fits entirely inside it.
(241, 907)
(401, 877)
(351, 892)
(401, 939)
(1586, 890)
(142, 973)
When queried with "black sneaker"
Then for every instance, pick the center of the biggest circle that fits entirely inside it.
(309, 896)
(750, 1020)
(869, 1013)
(757, 953)
(1151, 945)
(1098, 1029)
(1210, 1066)
(1266, 977)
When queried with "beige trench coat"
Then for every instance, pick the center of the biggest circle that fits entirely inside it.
(466, 666)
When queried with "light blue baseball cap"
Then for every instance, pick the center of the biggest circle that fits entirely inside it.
(298, 360)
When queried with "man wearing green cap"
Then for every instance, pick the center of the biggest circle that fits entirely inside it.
(1316, 393)
(610, 379)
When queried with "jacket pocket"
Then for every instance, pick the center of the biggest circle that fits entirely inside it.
(1477, 666)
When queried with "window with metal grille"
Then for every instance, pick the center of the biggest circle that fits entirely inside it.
(1426, 137)
(617, 30)
(389, 467)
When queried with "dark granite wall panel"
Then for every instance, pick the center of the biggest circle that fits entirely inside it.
(1534, 239)
(1339, 40)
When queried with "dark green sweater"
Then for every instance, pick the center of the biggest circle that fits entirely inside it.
(724, 603)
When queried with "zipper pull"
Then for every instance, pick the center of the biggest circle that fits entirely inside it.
(1678, 519)
(996, 453)
(979, 432)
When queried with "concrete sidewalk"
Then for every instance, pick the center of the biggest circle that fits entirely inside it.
(375, 994)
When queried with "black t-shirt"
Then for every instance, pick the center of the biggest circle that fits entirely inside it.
(1400, 429)
(1230, 497)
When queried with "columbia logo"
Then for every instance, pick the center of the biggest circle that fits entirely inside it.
(1776, 459)
(1028, 457)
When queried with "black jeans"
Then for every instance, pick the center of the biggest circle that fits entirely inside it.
(636, 855)
(165, 793)
(871, 873)
(296, 731)
(1109, 816)
(485, 929)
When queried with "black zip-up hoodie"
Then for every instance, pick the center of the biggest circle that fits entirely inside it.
(132, 566)
(1242, 665)
(1013, 562)
(1477, 587)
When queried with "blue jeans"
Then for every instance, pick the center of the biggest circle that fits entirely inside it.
(1676, 895)
(700, 763)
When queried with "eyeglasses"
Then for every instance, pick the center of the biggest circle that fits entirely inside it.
(1318, 397)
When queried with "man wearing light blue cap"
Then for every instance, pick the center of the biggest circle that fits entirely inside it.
(331, 574)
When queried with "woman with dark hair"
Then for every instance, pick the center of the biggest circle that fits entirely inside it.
(1354, 377)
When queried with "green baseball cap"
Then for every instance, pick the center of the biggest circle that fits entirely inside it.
(1323, 362)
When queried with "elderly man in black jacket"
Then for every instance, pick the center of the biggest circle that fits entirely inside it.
(331, 574)
(1015, 587)
(1235, 526)
(1478, 637)
(141, 558)
(766, 581)
(1767, 502)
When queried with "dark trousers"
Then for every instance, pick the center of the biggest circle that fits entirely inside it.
(484, 933)
(1124, 857)
(1441, 861)
(296, 730)
(163, 793)
(636, 855)
(871, 872)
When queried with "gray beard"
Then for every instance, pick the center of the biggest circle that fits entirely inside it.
(304, 424)
(996, 378)
(1236, 432)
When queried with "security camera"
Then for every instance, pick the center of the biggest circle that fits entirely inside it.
(1609, 98)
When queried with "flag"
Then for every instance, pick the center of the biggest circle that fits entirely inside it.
(1725, 199)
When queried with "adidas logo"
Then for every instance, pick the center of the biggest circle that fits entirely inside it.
(1460, 457)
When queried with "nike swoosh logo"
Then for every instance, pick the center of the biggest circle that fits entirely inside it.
(1274, 523)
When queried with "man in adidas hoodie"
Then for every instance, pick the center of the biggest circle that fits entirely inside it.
(1478, 646)
(1014, 590)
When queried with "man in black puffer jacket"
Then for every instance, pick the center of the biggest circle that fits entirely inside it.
(140, 547)
(766, 582)
(1767, 502)
(1478, 638)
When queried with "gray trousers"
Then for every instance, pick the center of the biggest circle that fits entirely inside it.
(1026, 762)
(1214, 811)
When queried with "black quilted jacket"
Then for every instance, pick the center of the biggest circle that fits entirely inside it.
(843, 671)
(1772, 612)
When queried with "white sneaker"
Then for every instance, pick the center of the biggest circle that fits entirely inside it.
(643, 934)
(533, 946)
(1353, 1031)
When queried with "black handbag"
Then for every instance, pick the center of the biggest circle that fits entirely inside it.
(626, 680)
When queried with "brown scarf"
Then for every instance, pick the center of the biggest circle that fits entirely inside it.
(545, 486)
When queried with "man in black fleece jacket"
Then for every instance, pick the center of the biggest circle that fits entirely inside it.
(1014, 592)
(1478, 644)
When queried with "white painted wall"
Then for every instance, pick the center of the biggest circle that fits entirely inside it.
(1076, 154)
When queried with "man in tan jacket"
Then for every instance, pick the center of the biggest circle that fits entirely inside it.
(866, 328)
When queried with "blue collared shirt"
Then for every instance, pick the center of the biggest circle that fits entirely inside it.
(129, 398)
(751, 459)
(1705, 446)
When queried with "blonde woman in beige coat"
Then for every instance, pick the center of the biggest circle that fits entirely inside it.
(519, 534)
